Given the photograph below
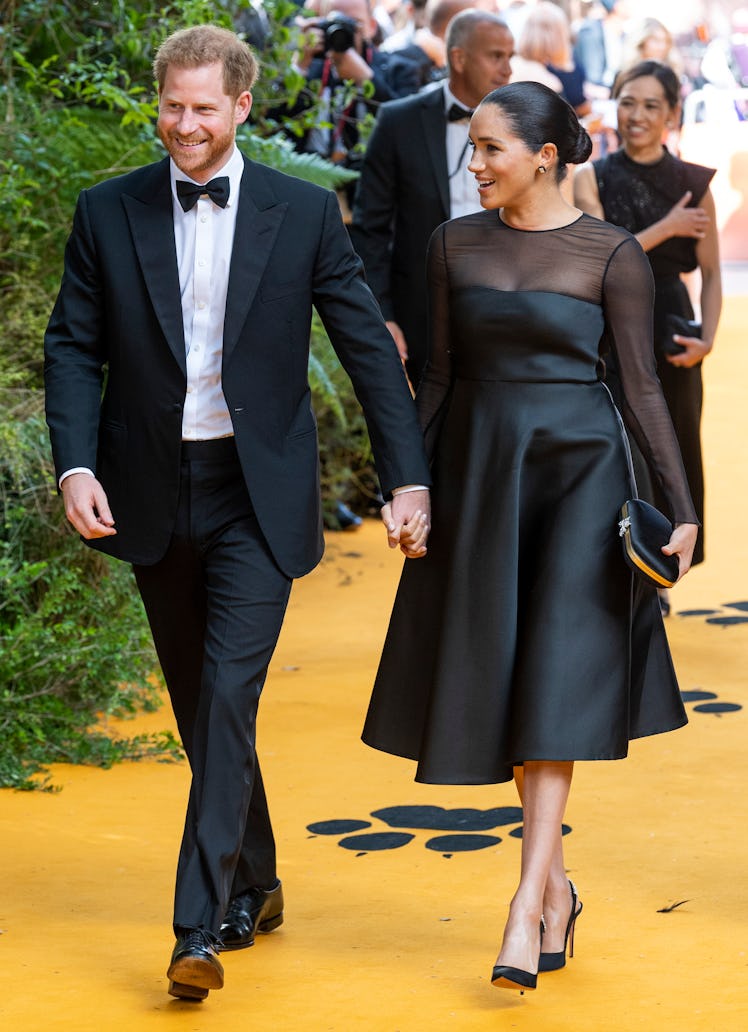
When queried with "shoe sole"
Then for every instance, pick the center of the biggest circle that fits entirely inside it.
(196, 973)
(268, 925)
(187, 992)
(508, 983)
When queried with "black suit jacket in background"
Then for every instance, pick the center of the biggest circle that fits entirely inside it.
(403, 195)
(115, 365)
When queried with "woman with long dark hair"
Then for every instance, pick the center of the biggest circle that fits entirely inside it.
(519, 643)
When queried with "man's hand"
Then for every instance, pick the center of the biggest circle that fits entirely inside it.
(86, 506)
(408, 521)
(350, 65)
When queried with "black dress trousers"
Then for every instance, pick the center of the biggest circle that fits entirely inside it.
(215, 604)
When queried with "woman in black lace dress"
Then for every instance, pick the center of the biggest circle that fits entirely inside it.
(519, 643)
(667, 204)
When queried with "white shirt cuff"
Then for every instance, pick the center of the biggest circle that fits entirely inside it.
(408, 488)
(75, 469)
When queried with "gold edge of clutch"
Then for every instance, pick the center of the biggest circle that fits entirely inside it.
(644, 567)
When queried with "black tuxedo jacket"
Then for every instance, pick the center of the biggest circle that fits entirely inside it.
(115, 358)
(403, 195)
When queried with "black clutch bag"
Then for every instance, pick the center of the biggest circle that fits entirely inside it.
(683, 327)
(644, 530)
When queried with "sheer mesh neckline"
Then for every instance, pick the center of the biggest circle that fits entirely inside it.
(551, 229)
(484, 251)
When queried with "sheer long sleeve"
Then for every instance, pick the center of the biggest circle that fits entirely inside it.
(628, 293)
(433, 392)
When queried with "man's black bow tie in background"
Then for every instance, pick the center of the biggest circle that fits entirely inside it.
(217, 189)
(457, 113)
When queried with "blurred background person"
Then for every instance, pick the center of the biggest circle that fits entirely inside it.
(650, 40)
(415, 176)
(385, 14)
(667, 204)
(330, 57)
(409, 16)
(544, 54)
(428, 47)
(598, 48)
(599, 43)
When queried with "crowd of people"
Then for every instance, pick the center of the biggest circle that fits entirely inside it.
(519, 296)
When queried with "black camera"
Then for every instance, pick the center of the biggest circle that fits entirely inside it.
(339, 31)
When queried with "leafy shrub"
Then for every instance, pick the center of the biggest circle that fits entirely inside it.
(74, 643)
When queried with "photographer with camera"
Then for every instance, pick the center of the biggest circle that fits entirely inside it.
(338, 49)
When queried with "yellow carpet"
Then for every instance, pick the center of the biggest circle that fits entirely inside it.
(403, 939)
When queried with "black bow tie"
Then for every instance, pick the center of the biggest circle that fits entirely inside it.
(457, 113)
(217, 189)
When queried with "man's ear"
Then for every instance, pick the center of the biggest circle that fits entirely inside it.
(242, 107)
(456, 59)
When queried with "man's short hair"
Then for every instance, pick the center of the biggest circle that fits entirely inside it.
(441, 12)
(464, 24)
(209, 44)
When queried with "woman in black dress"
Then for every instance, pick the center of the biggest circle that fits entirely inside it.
(667, 204)
(520, 642)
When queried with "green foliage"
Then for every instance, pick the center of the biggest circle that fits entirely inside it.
(74, 643)
(278, 152)
(347, 471)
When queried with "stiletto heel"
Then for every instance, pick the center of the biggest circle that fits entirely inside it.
(555, 961)
(504, 977)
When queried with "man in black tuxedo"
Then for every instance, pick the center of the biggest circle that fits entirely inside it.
(415, 176)
(185, 444)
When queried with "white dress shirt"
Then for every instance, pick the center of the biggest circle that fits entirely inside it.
(204, 237)
(463, 190)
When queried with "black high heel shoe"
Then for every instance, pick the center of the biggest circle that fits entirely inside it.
(504, 977)
(555, 961)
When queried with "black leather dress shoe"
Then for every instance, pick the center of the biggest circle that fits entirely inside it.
(259, 910)
(195, 967)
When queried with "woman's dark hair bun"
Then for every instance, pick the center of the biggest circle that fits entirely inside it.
(579, 149)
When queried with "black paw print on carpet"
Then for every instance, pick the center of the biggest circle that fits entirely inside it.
(705, 704)
(719, 616)
(708, 702)
(463, 828)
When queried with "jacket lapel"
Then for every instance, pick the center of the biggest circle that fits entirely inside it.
(149, 210)
(434, 124)
(258, 219)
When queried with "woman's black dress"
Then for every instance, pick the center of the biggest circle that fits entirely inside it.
(635, 196)
(521, 635)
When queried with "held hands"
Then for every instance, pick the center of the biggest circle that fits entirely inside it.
(408, 521)
(681, 543)
(696, 351)
(86, 506)
(399, 338)
(682, 221)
